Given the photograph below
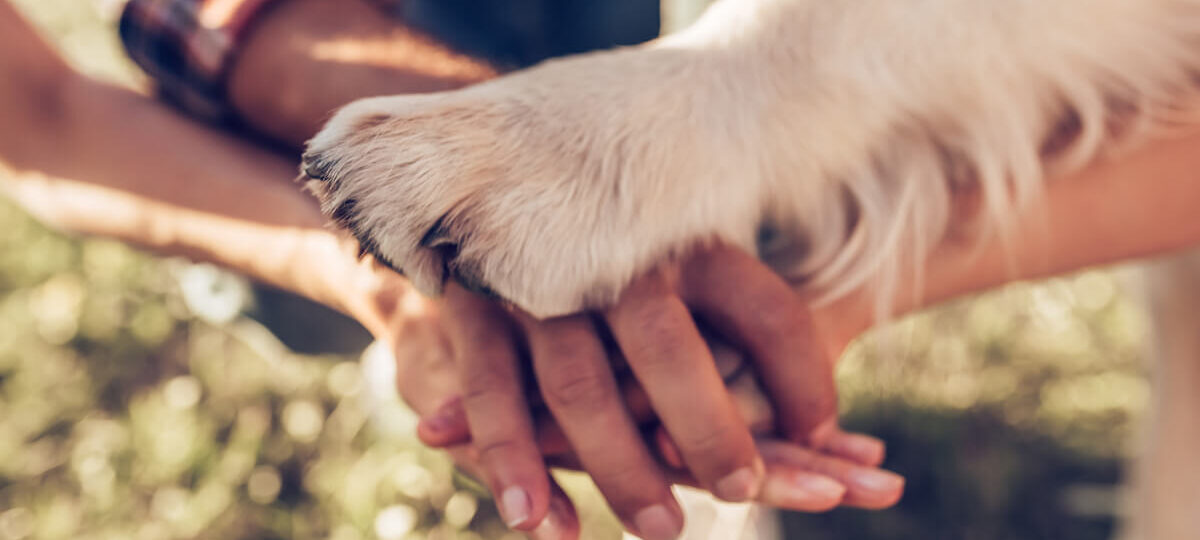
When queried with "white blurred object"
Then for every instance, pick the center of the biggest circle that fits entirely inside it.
(710, 519)
(388, 413)
(395, 522)
(183, 392)
(109, 10)
(677, 14)
(212, 294)
(1166, 487)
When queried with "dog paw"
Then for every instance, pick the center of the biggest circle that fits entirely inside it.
(551, 188)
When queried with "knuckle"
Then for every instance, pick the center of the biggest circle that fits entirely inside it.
(776, 321)
(498, 451)
(777, 317)
(816, 410)
(488, 379)
(719, 444)
(567, 344)
(808, 460)
(656, 329)
(578, 385)
(630, 489)
(654, 318)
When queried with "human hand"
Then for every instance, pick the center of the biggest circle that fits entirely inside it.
(324, 266)
(245, 216)
(654, 326)
(300, 256)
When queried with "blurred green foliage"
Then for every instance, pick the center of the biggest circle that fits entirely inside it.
(131, 410)
(1010, 414)
(124, 415)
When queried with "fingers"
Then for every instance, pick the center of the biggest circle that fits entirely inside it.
(445, 427)
(806, 480)
(581, 392)
(748, 303)
(671, 361)
(765, 317)
(448, 426)
(494, 402)
(785, 486)
(800, 490)
(561, 523)
(862, 449)
(866, 487)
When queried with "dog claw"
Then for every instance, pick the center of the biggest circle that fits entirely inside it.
(438, 235)
(316, 168)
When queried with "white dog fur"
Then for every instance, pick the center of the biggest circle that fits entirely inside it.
(829, 136)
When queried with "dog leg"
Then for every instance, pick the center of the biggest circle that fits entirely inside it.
(842, 129)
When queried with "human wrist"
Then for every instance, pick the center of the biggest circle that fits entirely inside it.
(329, 271)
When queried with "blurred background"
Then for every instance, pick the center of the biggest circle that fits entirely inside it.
(145, 398)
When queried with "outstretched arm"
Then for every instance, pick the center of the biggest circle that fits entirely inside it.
(306, 58)
(99, 159)
(1140, 204)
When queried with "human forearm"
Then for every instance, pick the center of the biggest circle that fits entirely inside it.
(1142, 204)
(306, 58)
(32, 78)
(175, 187)
(1139, 205)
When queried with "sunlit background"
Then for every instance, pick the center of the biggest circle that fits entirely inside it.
(143, 398)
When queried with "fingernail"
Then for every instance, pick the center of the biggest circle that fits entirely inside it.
(867, 449)
(819, 486)
(876, 481)
(444, 418)
(802, 491)
(546, 531)
(554, 526)
(516, 506)
(741, 485)
(438, 424)
(656, 523)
